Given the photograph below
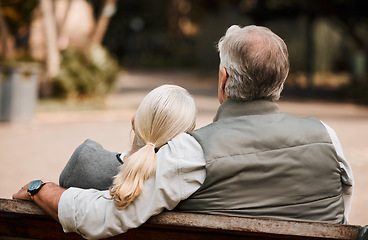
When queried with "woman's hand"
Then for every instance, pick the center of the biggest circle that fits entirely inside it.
(22, 194)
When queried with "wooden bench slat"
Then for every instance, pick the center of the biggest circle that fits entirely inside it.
(26, 220)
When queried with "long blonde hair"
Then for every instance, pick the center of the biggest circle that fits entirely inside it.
(164, 113)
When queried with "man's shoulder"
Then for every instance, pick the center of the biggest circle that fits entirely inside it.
(203, 128)
(184, 139)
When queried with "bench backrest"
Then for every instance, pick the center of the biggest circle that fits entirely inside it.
(22, 219)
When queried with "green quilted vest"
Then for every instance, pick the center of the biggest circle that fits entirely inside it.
(264, 163)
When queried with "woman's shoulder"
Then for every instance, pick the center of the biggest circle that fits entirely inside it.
(184, 146)
(90, 166)
(88, 143)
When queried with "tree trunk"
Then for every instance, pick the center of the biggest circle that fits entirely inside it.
(103, 22)
(52, 52)
(7, 40)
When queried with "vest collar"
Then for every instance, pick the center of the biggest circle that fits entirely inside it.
(231, 108)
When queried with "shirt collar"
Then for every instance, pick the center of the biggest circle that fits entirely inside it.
(231, 108)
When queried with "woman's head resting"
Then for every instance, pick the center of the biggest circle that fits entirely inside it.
(164, 113)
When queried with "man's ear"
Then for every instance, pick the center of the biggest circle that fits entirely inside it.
(221, 85)
(223, 79)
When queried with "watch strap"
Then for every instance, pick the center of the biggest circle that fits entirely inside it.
(34, 191)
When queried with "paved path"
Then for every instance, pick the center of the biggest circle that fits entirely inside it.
(41, 149)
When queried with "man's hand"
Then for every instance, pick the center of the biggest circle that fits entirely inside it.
(22, 194)
(47, 197)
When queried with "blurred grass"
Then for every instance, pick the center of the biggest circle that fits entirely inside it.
(60, 105)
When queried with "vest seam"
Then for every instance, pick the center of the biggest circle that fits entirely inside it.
(273, 206)
(295, 204)
(266, 151)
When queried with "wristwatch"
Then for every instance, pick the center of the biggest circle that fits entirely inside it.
(34, 187)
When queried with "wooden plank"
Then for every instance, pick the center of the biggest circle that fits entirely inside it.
(24, 219)
(259, 225)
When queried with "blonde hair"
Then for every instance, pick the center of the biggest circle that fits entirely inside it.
(164, 113)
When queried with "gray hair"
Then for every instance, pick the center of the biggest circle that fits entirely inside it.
(256, 61)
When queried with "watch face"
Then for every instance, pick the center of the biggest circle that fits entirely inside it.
(34, 185)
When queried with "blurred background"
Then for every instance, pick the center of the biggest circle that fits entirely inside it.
(77, 69)
(327, 39)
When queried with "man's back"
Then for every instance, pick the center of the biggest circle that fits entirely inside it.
(264, 163)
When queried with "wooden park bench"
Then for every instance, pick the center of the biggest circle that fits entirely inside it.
(25, 220)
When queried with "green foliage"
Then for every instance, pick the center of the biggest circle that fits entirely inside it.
(86, 73)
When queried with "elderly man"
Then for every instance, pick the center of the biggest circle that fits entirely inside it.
(252, 160)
